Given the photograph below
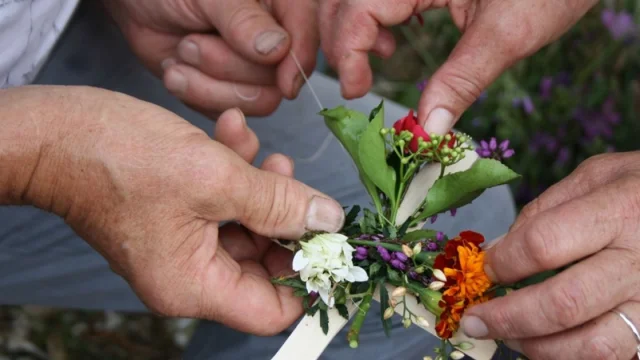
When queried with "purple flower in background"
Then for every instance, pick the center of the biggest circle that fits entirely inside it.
(610, 149)
(526, 103)
(439, 236)
(598, 124)
(546, 87)
(476, 122)
(361, 253)
(431, 246)
(620, 25)
(413, 275)
(422, 85)
(492, 150)
(398, 264)
(453, 212)
(543, 140)
(434, 218)
(384, 253)
(563, 156)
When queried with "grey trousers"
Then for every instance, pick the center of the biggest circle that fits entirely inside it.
(43, 262)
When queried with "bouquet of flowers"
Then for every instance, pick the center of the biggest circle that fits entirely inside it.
(385, 253)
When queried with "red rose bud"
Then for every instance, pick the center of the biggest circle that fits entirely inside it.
(410, 123)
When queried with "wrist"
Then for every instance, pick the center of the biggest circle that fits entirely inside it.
(39, 130)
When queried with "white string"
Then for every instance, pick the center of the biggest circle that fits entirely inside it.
(306, 79)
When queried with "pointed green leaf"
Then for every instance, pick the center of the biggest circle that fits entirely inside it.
(342, 310)
(458, 189)
(384, 303)
(348, 126)
(324, 321)
(373, 155)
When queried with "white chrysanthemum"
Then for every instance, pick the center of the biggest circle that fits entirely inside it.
(327, 259)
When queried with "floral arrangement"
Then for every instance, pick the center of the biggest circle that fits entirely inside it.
(386, 253)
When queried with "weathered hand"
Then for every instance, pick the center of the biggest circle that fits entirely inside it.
(149, 195)
(497, 33)
(220, 54)
(588, 220)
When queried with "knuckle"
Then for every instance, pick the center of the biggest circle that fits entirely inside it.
(530, 209)
(601, 347)
(564, 307)
(461, 83)
(592, 164)
(538, 247)
(243, 16)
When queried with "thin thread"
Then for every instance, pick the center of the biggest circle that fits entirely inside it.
(306, 79)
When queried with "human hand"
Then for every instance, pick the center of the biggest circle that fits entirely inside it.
(221, 54)
(149, 196)
(588, 220)
(497, 34)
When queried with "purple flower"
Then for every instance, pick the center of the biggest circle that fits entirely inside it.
(526, 103)
(384, 253)
(398, 264)
(476, 122)
(431, 246)
(399, 256)
(378, 237)
(610, 149)
(546, 87)
(492, 150)
(361, 253)
(598, 124)
(364, 237)
(620, 25)
(434, 218)
(543, 140)
(563, 156)
(453, 212)
(422, 85)
(413, 275)
(439, 236)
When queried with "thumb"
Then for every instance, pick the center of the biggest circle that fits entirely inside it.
(279, 206)
(249, 29)
(477, 60)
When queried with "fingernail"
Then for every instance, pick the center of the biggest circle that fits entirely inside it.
(166, 63)
(189, 52)
(268, 41)
(243, 119)
(247, 92)
(514, 345)
(474, 327)
(298, 81)
(324, 215)
(176, 82)
(439, 121)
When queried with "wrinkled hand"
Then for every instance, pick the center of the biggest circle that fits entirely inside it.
(148, 191)
(220, 54)
(497, 33)
(590, 220)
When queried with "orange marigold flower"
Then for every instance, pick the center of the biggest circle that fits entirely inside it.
(463, 264)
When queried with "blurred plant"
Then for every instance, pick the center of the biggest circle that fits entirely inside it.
(577, 97)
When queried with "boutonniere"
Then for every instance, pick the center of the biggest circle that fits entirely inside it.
(385, 254)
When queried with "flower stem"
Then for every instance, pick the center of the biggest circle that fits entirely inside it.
(363, 309)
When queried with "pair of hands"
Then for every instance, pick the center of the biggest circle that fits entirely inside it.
(229, 70)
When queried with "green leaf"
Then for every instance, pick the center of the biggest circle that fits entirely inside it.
(374, 269)
(372, 153)
(312, 310)
(324, 321)
(384, 303)
(419, 235)
(351, 215)
(349, 126)
(458, 189)
(368, 222)
(295, 283)
(300, 292)
(535, 279)
(342, 310)
(393, 275)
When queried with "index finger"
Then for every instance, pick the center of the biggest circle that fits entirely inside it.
(299, 18)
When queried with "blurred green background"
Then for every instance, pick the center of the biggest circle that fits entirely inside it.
(573, 99)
